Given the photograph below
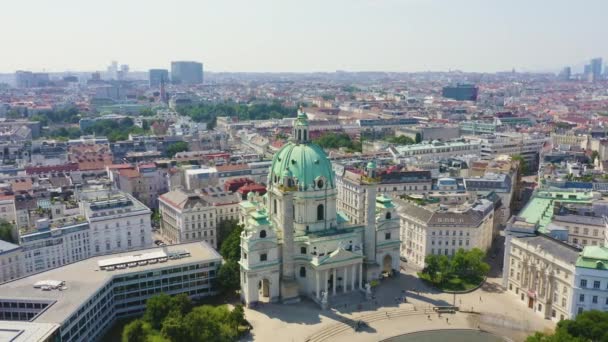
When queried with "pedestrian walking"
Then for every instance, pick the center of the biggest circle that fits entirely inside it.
(447, 320)
(429, 317)
(480, 298)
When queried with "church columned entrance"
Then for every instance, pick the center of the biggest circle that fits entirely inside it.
(387, 264)
(264, 290)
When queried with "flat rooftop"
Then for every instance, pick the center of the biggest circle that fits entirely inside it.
(15, 331)
(539, 209)
(84, 278)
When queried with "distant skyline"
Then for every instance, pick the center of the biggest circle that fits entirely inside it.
(303, 36)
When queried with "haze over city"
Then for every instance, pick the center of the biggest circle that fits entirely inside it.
(296, 36)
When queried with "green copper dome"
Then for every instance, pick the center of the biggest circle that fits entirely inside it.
(305, 163)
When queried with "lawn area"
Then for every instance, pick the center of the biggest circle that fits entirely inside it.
(455, 283)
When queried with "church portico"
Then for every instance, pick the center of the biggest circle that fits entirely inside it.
(339, 272)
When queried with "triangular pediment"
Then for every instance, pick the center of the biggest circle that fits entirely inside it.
(339, 255)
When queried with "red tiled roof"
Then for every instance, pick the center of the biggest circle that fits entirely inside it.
(129, 173)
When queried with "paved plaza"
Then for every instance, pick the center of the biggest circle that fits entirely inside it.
(488, 308)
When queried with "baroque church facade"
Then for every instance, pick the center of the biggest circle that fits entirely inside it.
(297, 240)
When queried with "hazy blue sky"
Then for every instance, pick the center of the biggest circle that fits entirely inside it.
(302, 35)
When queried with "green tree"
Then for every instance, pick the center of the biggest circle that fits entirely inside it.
(135, 332)
(230, 248)
(401, 140)
(337, 140)
(432, 266)
(228, 276)
(157, 308)
(175, 329)
(6, 231)
(147, 112)
(594, 155)
(445, 268)
(587, 326)
(523, 165)
(176, 147)
(237, 317)
(225, 229)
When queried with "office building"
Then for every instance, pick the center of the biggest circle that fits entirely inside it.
(11, 261)
(28, 79)
(565, 74)
(157, 77)
(436, 149)
(596, 68)
(81, 301)
(185, 72)
(460, 92)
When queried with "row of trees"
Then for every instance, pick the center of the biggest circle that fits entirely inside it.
(60, 116)
(6, 231)
(208, 112)
(587, 326)
(228, 276)
(175, 319)
(463, 266)
(114, 130)
(338, 140)
(176, 147)
(402, 140)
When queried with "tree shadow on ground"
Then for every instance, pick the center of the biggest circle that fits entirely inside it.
(492, 287)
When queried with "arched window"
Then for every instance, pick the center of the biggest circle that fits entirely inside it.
(274, 206)
(388, 215)
(299, 135)
(320, 212)
(320, 183)
(262, 234)
(305, 135)
(303, 272)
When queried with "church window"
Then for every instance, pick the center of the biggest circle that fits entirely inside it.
(387, 236)
(303, 272)
(274, 206)
(262, 234)
(320, 184)
(263, 257)
(320, 212)
(388, 216)
(302, 250)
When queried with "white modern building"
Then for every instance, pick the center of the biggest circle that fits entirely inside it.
(108, 222)
(11, 261)
(55, 243)
(81, 301)
(437, 149)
